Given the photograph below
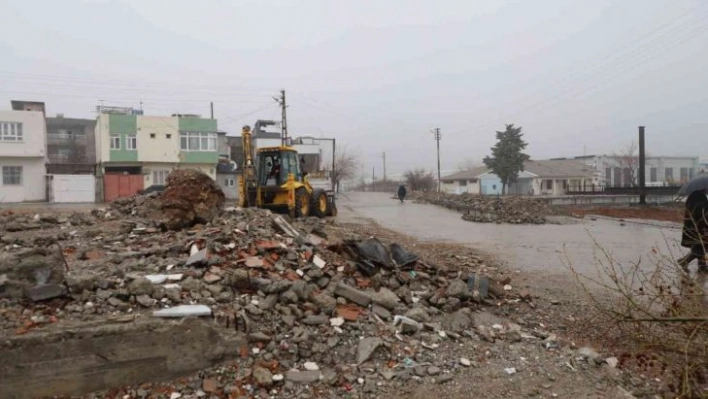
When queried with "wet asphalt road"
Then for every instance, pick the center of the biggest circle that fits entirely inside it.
(523, 247)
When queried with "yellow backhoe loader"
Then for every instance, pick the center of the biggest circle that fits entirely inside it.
(275, 180)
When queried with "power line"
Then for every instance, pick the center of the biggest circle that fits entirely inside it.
(135, 83)
(618, 69)
(615, 64)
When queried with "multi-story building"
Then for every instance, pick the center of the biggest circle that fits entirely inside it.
(621, 171)
(23, 151)
(135, 151)
(71, 145)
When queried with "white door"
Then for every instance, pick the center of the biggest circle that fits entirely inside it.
(74, 188)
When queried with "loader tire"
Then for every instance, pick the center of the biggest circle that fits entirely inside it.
(319, 206)
(302, 203)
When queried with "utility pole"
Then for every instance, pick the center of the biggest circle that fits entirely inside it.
(642, 168)
(284, 121)
(438, 135)
(211, 106)
(373, 178)
(383, 155)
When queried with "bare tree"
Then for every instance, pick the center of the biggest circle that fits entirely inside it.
(465, 165)
(346, 164)
(420, 180)
(628, 162)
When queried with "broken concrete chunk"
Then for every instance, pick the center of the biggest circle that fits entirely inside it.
(315, 320)
(381, 311)
(141, 286)
(211, 278)
(418, 314)
(46, 291)
(183, 311)
(303, 377)
(319, 262)
(366, 349)
(458, 321)
(386, 298)
(352, 294)
(406, 325)
(156, 278)
(197, 259)
(145, 301)
(457, 289)
(284, 226)
(263, 376)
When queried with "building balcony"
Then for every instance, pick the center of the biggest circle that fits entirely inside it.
(57, 138)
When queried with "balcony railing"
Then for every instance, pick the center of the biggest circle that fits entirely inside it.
(64, 137)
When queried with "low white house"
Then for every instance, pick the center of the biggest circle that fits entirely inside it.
(23, 152)
(555, 177)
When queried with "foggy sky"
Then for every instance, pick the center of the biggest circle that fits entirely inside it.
(579, 76)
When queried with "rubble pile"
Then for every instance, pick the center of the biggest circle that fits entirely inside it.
(347, 315)
(490, 209)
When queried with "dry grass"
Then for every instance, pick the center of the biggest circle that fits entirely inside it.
(655, 316)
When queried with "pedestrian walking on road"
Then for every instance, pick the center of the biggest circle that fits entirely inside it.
(401, 193)
(695, 230)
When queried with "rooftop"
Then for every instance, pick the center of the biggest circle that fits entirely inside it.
(557, 169)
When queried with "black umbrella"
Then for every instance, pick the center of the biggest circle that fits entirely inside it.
(699, 182)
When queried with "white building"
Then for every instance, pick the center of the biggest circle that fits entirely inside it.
(660, 170)
(23, 152)
(136, 151)
(556, 177)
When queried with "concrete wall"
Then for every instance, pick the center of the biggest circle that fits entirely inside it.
(230, 191)
(153, 142)
(33, 187)
(34, 134)
(102, 135)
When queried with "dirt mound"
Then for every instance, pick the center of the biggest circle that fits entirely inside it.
(191, 197)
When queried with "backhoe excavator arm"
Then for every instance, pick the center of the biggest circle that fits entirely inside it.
(248, 171)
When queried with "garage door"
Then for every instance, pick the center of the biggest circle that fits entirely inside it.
(116, 186)
(74, 188)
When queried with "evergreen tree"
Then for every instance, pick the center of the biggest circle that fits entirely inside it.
(507, 158)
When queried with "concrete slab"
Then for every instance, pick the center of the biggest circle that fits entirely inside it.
(82, 359)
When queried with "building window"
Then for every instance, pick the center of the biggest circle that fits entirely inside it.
(169, 136)
(463, 183)
(684, 174)
(131, 142)
(159, 177)
(229, 183)
(549, 184)
(617, 182)
(669, 174)
(11, 175)
(608, 176)
(152, 135)
(652, 175)
(195, 141)
(115, 142)
(10, 131)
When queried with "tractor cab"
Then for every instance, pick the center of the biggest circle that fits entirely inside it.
(275, 164)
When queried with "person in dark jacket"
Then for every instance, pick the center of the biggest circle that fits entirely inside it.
(695, 230)
(401, 193)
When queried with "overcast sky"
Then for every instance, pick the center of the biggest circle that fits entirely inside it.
(579, 76)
